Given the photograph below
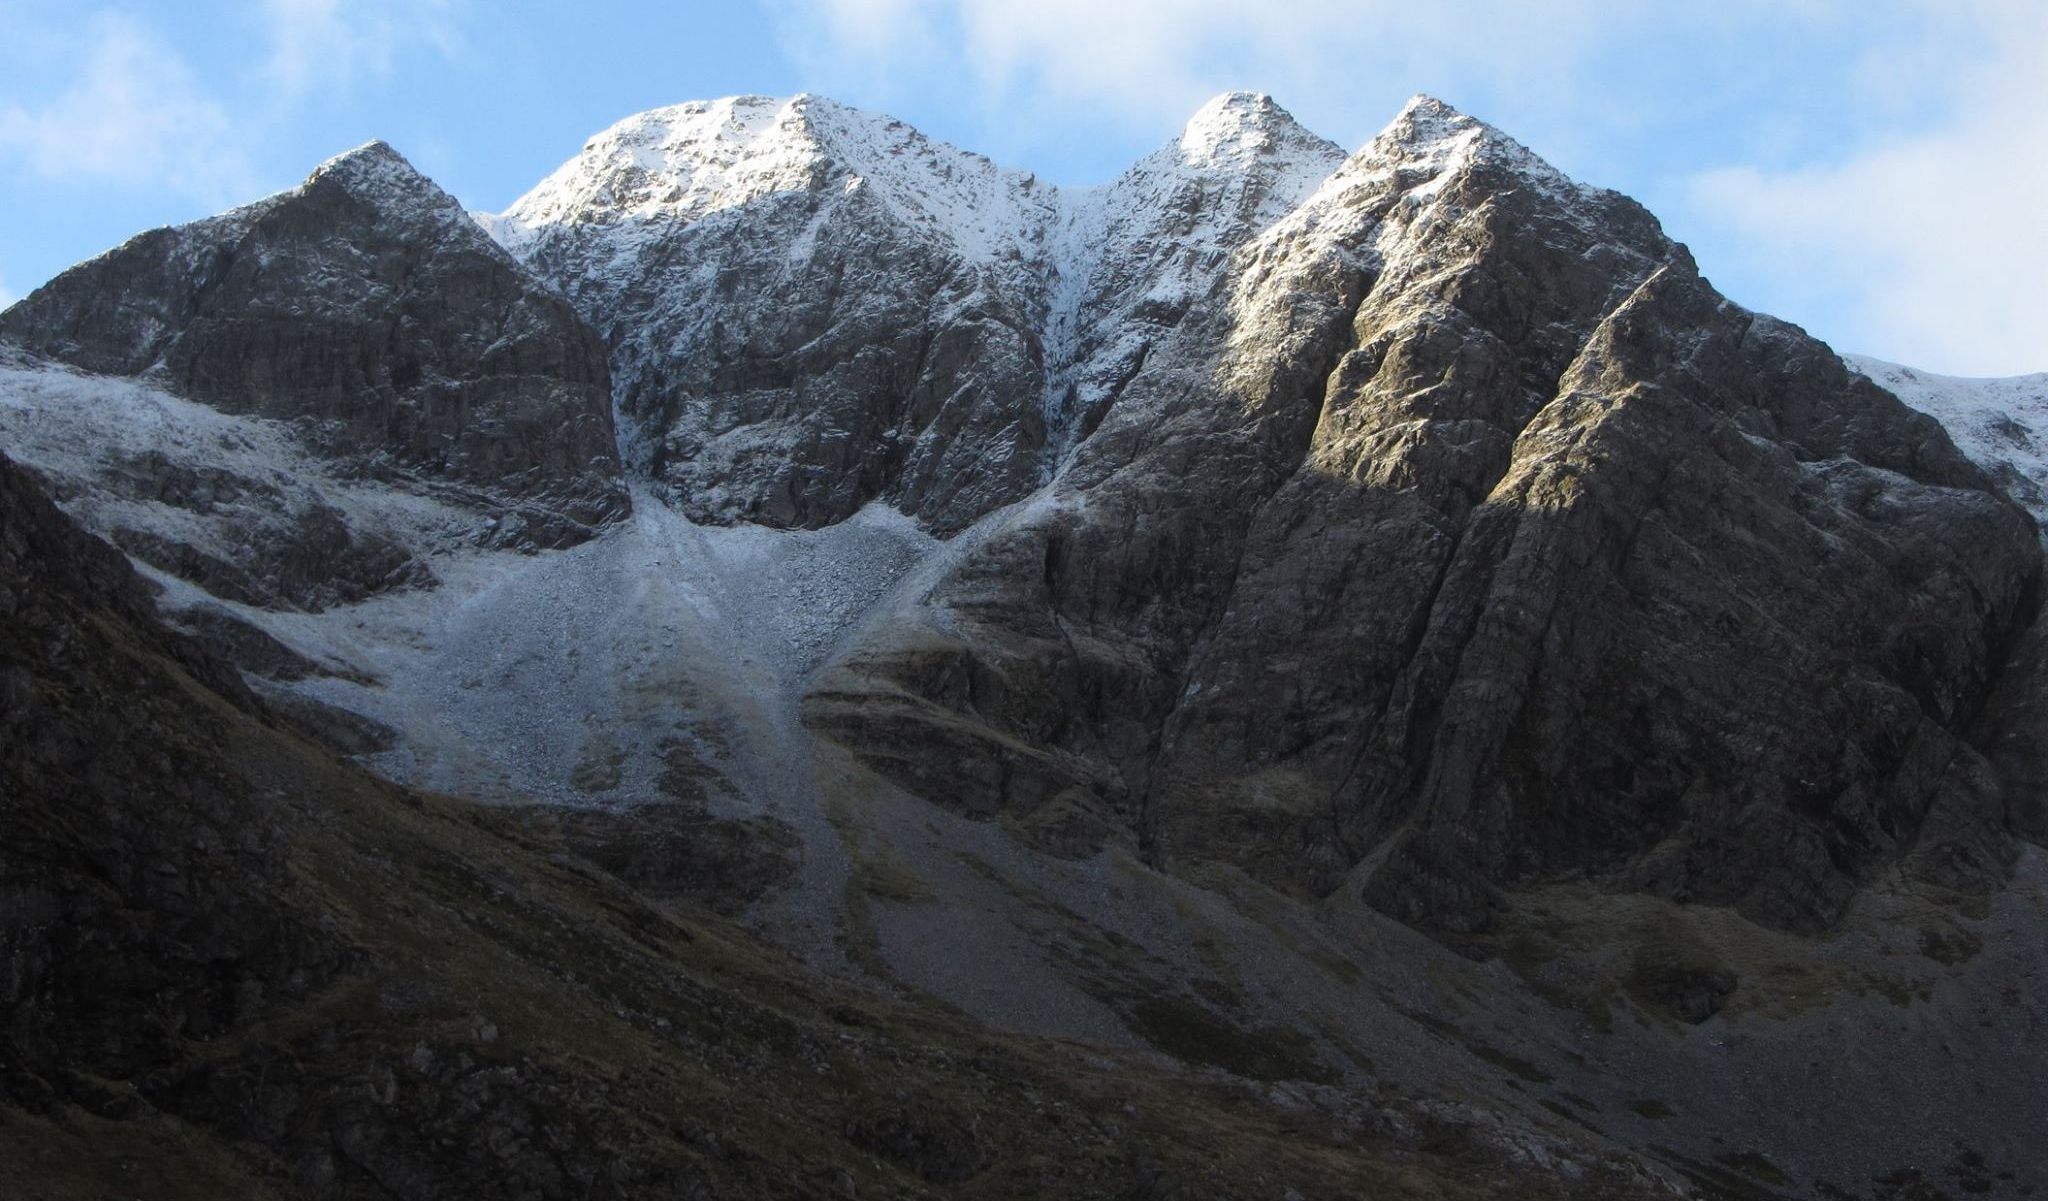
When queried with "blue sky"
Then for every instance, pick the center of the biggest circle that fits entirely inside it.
(1873, 169)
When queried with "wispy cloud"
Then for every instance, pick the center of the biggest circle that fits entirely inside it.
(1137, 62)
(1878, 165)
(1932, 240)
(134, 114)
(318, 44)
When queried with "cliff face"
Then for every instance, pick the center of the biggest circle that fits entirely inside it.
(367, 309)
(1462, 534)
(147, 898)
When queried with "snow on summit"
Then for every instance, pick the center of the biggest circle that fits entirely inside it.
(642, 225)
(689, 161)
(686, 162)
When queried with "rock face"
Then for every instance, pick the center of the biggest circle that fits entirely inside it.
(115, 909)
(2002, 424)
(1463, 535)
(811, 307)
(368, 309)
(237, 506)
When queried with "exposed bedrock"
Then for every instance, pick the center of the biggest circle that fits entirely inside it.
(1463, 536)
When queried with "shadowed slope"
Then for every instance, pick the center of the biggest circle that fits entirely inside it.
(235, 967)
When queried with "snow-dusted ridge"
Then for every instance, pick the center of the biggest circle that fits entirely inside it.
(691, 233)
(691, 161)
(688, 161)
(374, 173)
(2000, 423)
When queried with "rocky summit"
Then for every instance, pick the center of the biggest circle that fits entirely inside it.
(797, 661)
(366, 308)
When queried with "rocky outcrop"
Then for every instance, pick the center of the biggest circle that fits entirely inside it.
(369, 310)
(1463, 535)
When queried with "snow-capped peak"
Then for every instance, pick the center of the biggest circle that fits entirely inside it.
(688, 161)
(1426, 119)
(1241, 163)
(683, 160)
(1422, 151)
(987, 213)
(1432, 137)
(375, 159)
(372, 174)
(766, 189)
(1237, 129)
(378, 174)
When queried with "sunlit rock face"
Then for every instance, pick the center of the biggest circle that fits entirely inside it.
(1461, 534)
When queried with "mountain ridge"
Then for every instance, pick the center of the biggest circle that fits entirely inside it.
(1342, 622)
(1065, 289)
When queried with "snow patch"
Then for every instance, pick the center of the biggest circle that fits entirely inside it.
(2001, 424)
(91, 433)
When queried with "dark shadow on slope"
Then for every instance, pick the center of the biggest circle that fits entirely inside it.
(231, 965)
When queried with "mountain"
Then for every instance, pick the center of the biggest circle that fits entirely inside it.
(365, 308)
(816, 307)
(1375, 634)
(2002, 424)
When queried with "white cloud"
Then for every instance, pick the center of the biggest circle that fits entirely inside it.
(1144, 60)
(1136, 63)
(1884, 160)
(7, 296)
(136, 113)
(1931, 240)
(318, 44)
(133, 114)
